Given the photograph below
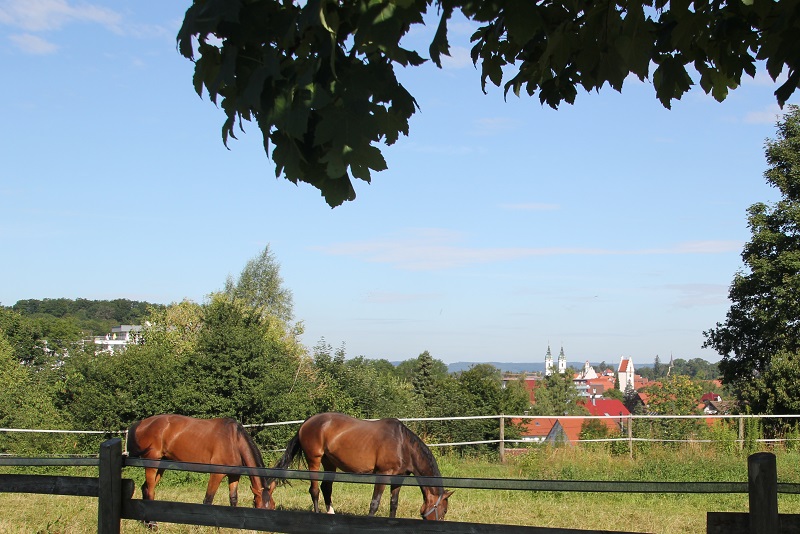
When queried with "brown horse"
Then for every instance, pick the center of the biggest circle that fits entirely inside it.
(384, 447)
(208, 441)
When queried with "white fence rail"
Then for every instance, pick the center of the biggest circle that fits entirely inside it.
(626, 422)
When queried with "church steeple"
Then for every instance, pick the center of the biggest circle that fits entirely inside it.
(562, 362)
(548, 362)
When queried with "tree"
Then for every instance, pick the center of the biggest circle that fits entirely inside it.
(246, 366)
(260, 285)
(483, 393)
(22, 337)
(558, 396)
(764, 317)
(407, 368)
(424, 380)
(26, 402)
(318, 77)
(777, 389)
(677, 395)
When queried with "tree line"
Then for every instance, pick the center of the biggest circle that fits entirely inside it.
(237, 355)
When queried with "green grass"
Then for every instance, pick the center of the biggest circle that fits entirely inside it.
(655, 513)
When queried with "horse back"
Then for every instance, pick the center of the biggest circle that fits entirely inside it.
(356, 445)
(186, 439)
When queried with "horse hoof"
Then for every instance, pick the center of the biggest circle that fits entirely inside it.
(152, 526)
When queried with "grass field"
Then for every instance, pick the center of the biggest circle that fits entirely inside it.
(655, 513)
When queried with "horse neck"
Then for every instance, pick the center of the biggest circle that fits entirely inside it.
(251, 456)
(423, 463)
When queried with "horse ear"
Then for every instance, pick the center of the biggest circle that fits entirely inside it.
(448, 493)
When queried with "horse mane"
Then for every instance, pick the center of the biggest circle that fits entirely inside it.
(245, 435)
(421, 448)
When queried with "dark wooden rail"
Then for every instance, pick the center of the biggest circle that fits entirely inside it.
(115, 500)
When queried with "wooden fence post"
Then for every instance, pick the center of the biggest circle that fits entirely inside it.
(762, 483)
(502, 439)
(109, 498)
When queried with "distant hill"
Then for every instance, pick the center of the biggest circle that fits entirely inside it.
(524, 367)
(511, 367)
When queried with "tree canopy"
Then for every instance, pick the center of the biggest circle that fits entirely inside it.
(318, 77)
(764, 317)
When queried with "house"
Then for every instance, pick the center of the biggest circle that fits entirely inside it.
(718, 407)
(608, 407)
(531, 382)
(626, 373)
(550, 429)
(119, 337)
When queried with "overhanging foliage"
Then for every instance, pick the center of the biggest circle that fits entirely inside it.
(318, 77)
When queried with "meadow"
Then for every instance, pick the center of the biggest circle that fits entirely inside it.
(654, 513)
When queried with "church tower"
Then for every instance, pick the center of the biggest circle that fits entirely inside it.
(548, 362)
(562, 362)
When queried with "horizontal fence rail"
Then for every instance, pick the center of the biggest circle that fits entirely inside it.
(604, 486)
(625, 422)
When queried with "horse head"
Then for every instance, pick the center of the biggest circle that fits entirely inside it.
(437, 509)
(259, 500)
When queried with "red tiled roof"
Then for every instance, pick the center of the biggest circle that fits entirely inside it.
(540, 427)
(623, 365)
(606, 407)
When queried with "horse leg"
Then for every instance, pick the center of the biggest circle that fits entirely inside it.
(313, 490)
(213, 483)
(377, 493)
(151, 478)
(149, 484)
(233, 489)
(394, 500)
(327, 485)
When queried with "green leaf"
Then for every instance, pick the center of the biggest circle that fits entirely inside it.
(439, 44)
(671, 80)
(522, 20)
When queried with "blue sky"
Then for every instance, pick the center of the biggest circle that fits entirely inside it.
(611, 227)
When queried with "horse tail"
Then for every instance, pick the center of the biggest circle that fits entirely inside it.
(293, 448)
(132, 445)
(253, 448)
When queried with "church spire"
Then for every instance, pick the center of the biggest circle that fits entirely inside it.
(548, 362)
(562, 362)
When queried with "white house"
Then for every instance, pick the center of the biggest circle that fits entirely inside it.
(625, 373)
(119, 337)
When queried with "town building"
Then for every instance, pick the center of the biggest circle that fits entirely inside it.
(118, 338)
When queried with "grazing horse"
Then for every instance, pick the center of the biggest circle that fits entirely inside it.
(383, 447)
(208, 441)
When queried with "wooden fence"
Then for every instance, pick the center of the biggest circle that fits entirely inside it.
(116, 502)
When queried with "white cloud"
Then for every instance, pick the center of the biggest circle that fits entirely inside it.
(33, 44)
(46, 15)
(495, 125)
(769, 115)
(389, 297)
(693, 295)
(459, 58)
(444, 150)
(437, 249)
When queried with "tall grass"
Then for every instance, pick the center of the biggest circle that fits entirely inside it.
(655, 513)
